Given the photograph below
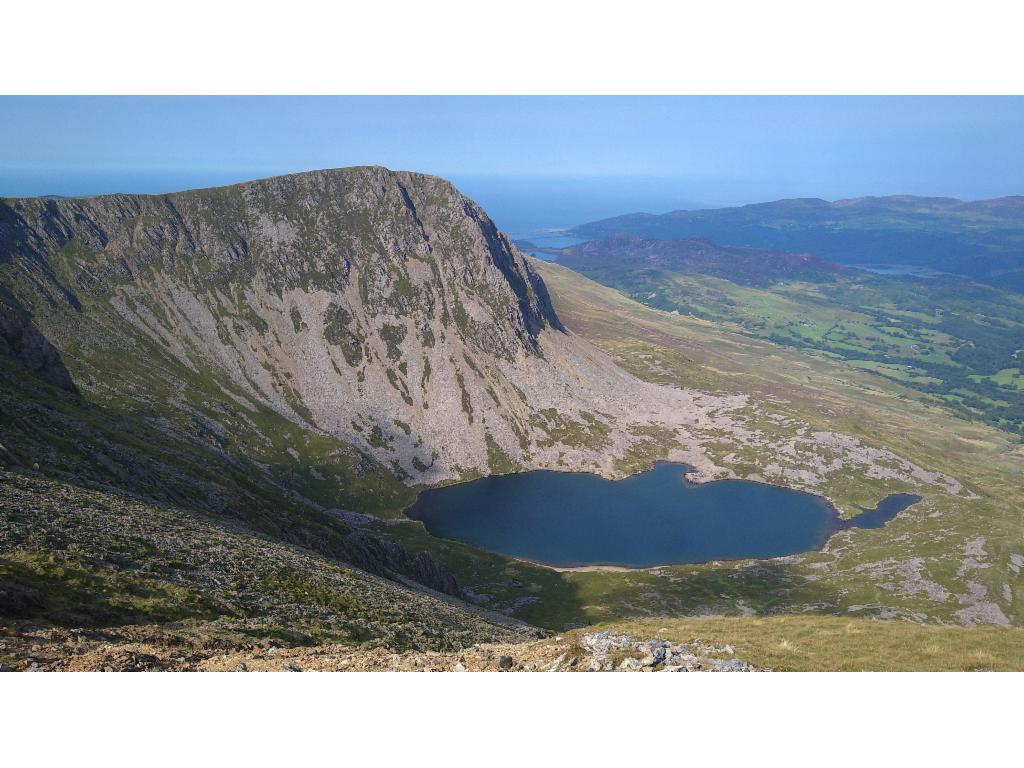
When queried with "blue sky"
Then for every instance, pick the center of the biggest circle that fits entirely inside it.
(647, 153)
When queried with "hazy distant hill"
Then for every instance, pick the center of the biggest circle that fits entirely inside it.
(748, 266)
(982, 239)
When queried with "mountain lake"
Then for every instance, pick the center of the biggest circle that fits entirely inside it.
(573, 519)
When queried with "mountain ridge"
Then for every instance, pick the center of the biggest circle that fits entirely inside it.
(380, 313)
(841, 202)
(347, 335)
(752, 266)
(982, 239)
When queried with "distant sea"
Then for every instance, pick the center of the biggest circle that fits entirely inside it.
(539, 209)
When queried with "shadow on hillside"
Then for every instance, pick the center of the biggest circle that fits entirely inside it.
(22, 342)
(759, 587)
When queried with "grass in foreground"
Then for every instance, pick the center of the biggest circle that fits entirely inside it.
(825, 643)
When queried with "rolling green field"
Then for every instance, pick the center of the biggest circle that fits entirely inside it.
(958, 343)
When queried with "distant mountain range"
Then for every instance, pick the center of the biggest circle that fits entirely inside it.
(982, 239)
(746, 266)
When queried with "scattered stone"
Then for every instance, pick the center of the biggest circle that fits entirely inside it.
(658, 655)
(732, 665)
(656, 651)
(505, 662)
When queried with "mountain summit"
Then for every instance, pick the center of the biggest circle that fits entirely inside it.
(382, 309)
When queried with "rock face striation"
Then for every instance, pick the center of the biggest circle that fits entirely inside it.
(381, 308)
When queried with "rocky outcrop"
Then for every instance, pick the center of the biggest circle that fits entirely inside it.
(606, 652)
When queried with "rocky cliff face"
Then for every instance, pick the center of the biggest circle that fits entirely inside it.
(380, 243)
(338, 336)
(382, 309)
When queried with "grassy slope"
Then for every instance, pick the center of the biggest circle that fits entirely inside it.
(953, 340)
(823, 643)
(859, 568)
(97, 561)
(155, 451)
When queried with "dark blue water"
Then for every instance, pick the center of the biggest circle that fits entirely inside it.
(886, 510)
(655, 518)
